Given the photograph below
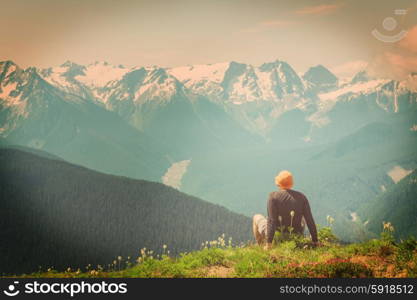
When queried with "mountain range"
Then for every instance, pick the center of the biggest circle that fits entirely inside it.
(250, 102)
(229, 126)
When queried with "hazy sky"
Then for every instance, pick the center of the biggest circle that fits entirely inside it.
(336, 33)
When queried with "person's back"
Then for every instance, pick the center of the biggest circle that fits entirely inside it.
(286, 208)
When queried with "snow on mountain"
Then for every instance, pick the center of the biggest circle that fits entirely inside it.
(101, 81)
(6, 68)
(238, 83)
(356, 88)
(140, 86)
(361, 76)
(319, 79)
(326, 101)
(14, 84)
(320, 75)
(6, 90)
(83, 81)
(201, 79)
(93, 75)
(409, 83)
(254, 96)
(22, 92)
(99, 74)
(8, 82)
(62, 77)
(283, 80)
(157, 84)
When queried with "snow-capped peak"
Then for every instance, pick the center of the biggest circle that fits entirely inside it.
(69, 75)
(101, 73)
(238, 83)
(361, 76)
(141, 85)
(361, 87)
(70, 64)
(320, 75)
(197, 73)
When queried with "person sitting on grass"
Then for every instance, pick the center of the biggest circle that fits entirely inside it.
(286, 208)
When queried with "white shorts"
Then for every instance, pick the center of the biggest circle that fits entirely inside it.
(261, 223)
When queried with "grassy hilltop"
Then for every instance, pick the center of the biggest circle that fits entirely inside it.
(292, 257)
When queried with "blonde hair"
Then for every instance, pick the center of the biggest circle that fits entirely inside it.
(284, 180)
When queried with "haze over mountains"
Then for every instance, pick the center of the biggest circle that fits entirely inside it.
(236, 125)
(397, 205)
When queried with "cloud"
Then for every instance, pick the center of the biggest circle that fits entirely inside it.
(322, 9)
(399, 62)
(395, 65)
(409, 43)
(349, 69)
(267, 25)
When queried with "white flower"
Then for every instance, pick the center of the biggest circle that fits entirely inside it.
(329, 219)
(292, 213)
(388, 226)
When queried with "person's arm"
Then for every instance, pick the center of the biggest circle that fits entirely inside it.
(310, 221)
(272, 219)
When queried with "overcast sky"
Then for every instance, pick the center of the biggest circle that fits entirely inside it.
(171, 33)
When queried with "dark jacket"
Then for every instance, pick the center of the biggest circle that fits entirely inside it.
(281, 203)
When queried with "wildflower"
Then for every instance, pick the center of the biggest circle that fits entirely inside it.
(164, 246)
(387, 226)
(329, 219)
(292, 213)
(69, 270)
(119, 258)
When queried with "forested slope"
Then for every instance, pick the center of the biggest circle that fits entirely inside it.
(55, 214)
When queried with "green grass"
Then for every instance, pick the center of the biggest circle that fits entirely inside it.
(288, 258)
